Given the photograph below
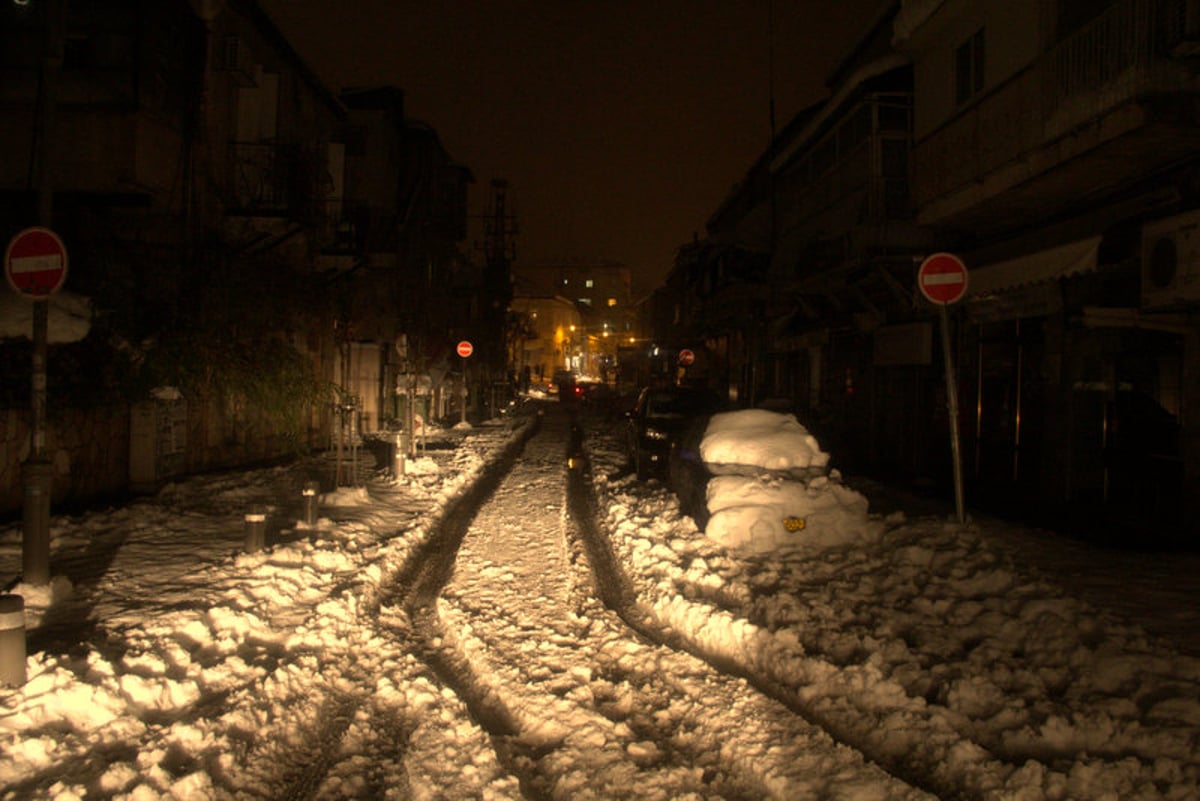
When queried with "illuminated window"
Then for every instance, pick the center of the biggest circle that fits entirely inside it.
(588, 283)
(612, 301)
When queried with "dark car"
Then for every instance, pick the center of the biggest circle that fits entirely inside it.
(657, 420)
(567, 386)
(687, 475)
(597, 397)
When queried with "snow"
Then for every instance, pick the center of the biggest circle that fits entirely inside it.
(867, 656)
(771, 490)
(69, 316)
(761, 439)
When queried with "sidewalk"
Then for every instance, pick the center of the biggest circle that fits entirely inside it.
(1156, 589)
(138, 555)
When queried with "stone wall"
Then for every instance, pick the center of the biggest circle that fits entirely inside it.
(89, 449)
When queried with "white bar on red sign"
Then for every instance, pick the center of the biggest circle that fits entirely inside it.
(932, 279)
(35, 264)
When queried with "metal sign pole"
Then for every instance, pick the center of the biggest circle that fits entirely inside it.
(943, 279)
(464, 389)
(952, 402)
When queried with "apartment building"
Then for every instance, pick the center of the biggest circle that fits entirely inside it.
(206, 184)
(1057, 150)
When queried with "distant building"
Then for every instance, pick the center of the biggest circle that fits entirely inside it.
(553, 339)
(602, 293)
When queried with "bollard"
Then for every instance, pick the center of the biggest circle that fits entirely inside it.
(12, 640)
(310, 503)
(398, 465)
(256, 530)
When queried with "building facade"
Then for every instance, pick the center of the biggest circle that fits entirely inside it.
(205, 183)
(1057, 149)
(1054, 147)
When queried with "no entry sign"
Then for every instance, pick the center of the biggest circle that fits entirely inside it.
(35, 263)
(942, 278)
(465, 349)
(686, 357)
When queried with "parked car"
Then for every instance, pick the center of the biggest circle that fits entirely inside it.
(567, 386)
(597, 397)
(687, 474)
(657, 420)
(761, 443)
(757, 479)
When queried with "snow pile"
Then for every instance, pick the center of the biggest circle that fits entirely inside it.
(935, 650)
(770, 490)
(766, 513)
(752, 440)
(223, 674)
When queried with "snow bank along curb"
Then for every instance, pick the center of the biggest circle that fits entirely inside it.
(925, 648)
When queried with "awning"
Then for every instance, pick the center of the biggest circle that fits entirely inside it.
(1075, 258)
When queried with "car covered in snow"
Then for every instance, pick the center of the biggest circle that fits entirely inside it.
(757, 479)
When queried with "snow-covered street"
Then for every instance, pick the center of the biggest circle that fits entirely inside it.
(365, 657)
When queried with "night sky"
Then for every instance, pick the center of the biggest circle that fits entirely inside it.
(619, 124)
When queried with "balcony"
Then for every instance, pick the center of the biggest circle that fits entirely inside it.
(1126, 52)
(260, 181)
(1099, 110)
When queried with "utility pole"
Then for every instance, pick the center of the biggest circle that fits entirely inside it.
(499, 251)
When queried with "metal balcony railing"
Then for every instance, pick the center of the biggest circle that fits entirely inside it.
(260, 177)
(1129, 51)
(1113, 45)
(1122, 53)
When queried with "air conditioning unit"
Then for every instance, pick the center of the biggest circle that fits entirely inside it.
(1171, 261)
(234, 57)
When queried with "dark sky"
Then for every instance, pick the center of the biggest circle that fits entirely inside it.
(619, 124)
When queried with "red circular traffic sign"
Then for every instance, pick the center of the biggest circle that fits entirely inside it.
(942, 279)
(35, 263)
(686, 357)
(465, 349)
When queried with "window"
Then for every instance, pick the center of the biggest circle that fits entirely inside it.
(612, 302)
(588, 283)
(968, 68)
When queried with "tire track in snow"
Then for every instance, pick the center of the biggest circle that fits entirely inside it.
(515, 612)
(344, 687)
(845, 725)
(621, 711)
